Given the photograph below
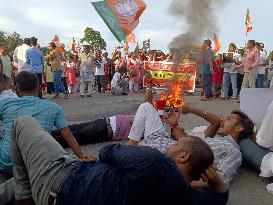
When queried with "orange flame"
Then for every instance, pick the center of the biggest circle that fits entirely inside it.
(174, 97)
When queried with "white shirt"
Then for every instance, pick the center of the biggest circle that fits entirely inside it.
(19, 57)
(228, 67)
(100, 70)
(5, 94)
(263, 58)
(113, 124)
(265, 133)
(115, 79)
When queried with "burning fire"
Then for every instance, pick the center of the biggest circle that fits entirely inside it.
(174, 97)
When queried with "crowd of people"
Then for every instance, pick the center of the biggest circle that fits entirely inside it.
(225, 74)
(87, 72)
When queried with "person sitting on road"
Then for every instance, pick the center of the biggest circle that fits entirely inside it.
(49, 114)
(119, 84)
(136, 175)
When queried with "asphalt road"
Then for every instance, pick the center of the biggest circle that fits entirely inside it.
(246, 188)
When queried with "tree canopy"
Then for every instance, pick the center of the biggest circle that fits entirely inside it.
(11, 40)
(94, 38)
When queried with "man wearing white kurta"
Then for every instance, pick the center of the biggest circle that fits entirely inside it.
(19, 56)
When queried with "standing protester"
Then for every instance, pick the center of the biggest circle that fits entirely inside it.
(19, 56)
(133, 68)
(70, 69)
(108, 70)
(6, 68)
(229, 73)
(35, 60)
(49, 78)
(99, 64)
(270, 70)
(250, 65)
(206, 68)
(241, 73)
(217, 76)
(86, 62)
(119, 62)
(55, 61)
(262, 65)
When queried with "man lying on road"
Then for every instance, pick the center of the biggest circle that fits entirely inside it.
(121, 175)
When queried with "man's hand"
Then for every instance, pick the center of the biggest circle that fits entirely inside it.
(88, 158)
(173, 118)
(215, 183)
(185, 109)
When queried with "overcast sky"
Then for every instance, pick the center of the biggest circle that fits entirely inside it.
(69, 18)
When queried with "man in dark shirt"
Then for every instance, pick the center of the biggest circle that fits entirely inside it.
(46, 174)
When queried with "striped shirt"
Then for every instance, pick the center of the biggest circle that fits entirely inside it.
(227, 153)
(47, 113)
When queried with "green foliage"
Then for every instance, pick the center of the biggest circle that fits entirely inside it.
(45, 50)
(94, 38)
(11, 40)
(14, 40)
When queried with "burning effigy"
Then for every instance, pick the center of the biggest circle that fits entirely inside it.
(173, 97)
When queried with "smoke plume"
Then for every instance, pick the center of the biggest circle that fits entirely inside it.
(200, 18)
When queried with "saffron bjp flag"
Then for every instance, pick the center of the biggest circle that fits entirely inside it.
(217, 44)
(248, 22)
(121, 16)
(56, 40)
(73, 47)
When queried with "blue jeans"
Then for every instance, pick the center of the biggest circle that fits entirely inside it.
(260, 81)
(207, 85)
(227, 78)
(253, 153)
(58, 84)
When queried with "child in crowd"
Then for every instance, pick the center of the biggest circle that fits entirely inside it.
(70, 69)
(49, 77)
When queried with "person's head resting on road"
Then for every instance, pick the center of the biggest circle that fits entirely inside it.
(237, 125)
(192, 157)
(27, 84)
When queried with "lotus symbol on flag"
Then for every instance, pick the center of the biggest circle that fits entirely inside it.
(127, 8)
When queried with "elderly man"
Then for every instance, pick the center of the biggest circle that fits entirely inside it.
(87, 70)
(136, 175)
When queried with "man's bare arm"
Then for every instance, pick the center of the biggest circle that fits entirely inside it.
(73, 144)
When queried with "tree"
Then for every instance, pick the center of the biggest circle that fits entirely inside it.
(13, 40)
(2, 37)
(94, 38)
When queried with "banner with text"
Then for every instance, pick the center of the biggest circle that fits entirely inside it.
(163, 72)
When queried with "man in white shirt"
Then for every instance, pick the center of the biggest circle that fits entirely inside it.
(99, 63)
(261, 67)
(19, 56)
(119, 83)
(230, 74)
(86, 62)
